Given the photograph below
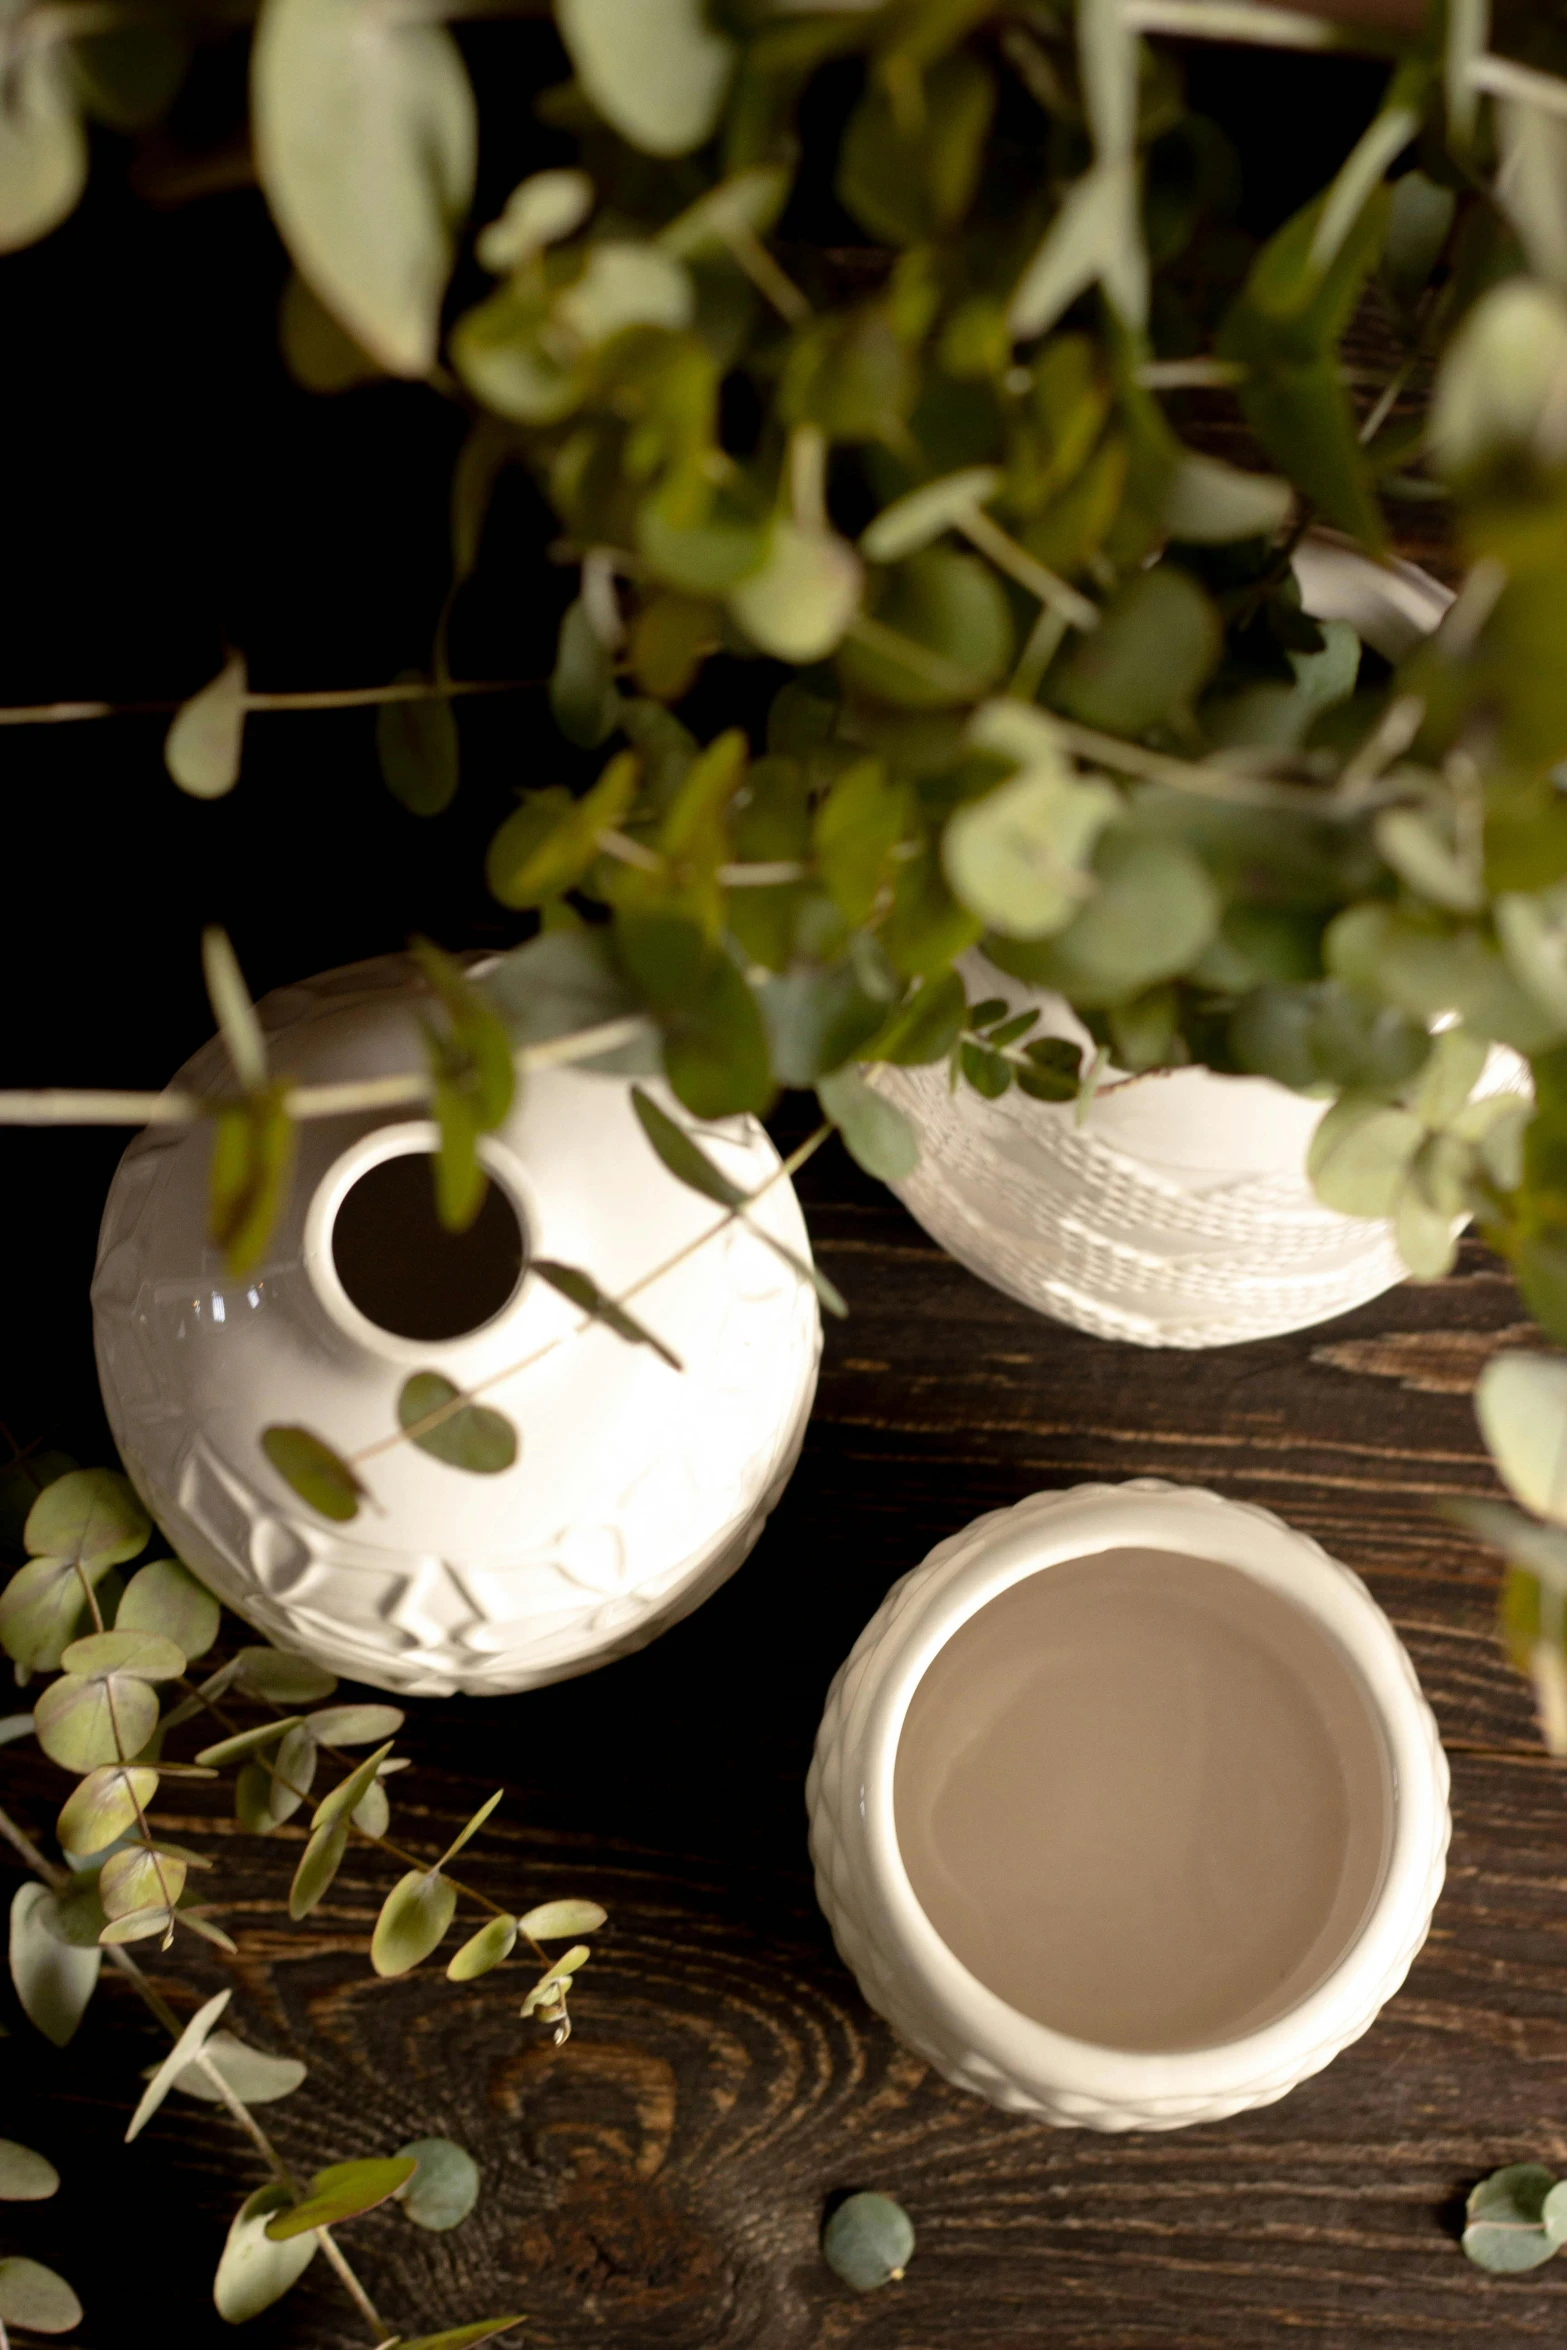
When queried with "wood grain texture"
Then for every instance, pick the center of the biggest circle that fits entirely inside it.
(659, 2183)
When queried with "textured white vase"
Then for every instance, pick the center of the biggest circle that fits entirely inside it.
(910, 1976)
(638, 1488)
(1178, 1212)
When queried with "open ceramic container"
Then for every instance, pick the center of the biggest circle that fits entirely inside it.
(638, 1487)
(908, 1973)
(1178, 1212)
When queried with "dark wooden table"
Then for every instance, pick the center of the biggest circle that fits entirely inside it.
(658, 2184)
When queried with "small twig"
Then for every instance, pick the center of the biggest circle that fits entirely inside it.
(354, 697)
(1502, 77)
(1255, 27)
(1004, 551)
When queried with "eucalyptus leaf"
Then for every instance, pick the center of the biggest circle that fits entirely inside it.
(319, 1864)
(44, 1608)
(1360, 1155)
(1501, 390)
(494, 1942)
(656, 70)
(582, 687)
(310, 1467)
(146, 1655)
(247, 1742)
(351, 1791)
(1532, 930)
(801, 601)
(542, 209)
(187, 2048)
(585, 1293)
(43, 142)
(89, 1517)
(414, 1918)
(925, 1028)
(164, 1596)
(84, 1721)
(1504, 2227)
(552, 1985)
(1521, 1404)
(554, 1921)
(342, 2191)
(445, 2184)
(25, 2177)
(416, 743)
(1018, 857)
(868, 2241)
(204, 743)
(473, 1436)
(1208, 503)
(145, 1877)
(684, 1158)
(878, 1135)
(254, 2271)
(254, 2077)
(355, 1725)
(920, 516)
(1157, 643)
(470, 1828)
(282, 1679)
(104, 1806)
(35, 2297)
(365, 136)
(53, 1979)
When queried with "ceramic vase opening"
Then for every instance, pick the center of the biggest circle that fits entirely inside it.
(407, 1272)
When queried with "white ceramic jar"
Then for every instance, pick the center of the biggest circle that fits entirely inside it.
(638, 1488)
(931, 1999)
(1178, 1211)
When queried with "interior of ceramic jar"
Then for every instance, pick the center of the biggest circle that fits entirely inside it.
(405, 1271)
(1145, 1799)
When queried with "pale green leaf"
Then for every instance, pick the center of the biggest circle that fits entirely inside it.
(1095, 235)
(185, 2051)
(624, 285)
(365, 134)
(254, 2077)
(470, 1829)
(554, 1921)
(745, 205)
(807, 591)
(140, 1877)
(1451, 1072)
(345, 1797)
(43, 1608)
(1017, 857)
(25, 2177)
(920, 516)
(246, 1742)
(43, 144)
(868, 2241)
(1360, 1154)
(89, 1516)
(355, 1725)
(444, 2187)
(104, 1806)
(1521, 1404)
(342, 2191)
(35, 2297)
(1501, 390)
(1419, 850)
(319, 1864)
(553, 1984)
(54, 1979)
(1208, 503)
(164, 1596)
(1505, 2230)
(656, 70)
(254, 2272)
(413, 1919)
(146, 1656)
(489, 1947)
(1425, 1236)
(82, 1723)
(878, 1135)
(203, 746)
(1533, 934)
(547, 206)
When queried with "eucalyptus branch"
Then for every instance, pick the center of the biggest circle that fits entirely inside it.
(1257, 27)
(1502, 77)
(352, 697)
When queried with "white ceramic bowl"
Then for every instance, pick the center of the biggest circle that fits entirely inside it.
(913, 1979)
(638, 1487)
(1178, 1213)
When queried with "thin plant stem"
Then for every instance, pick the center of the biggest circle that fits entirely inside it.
(1255, 27)
(353, 697)
(1501, 77)
(990, 539)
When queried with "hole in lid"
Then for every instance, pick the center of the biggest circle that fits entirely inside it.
(404, 1270)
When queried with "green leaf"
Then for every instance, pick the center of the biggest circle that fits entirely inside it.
(804, 596)
(350, 1793)
(203, 746)
(89, 1516)
(1208, 503)
(1360, 1155)
(416, 743)
(540, 211)
(43, 1608)
(489, 1947)
(246, 1742)
(43, 145)
(1157, 643)
(1521, 1404)
(355, 1725)
(413, 1919)
(1553, 2213)
(282, 1679)
(1154, 911)
(554, 1921)
(372, 1814)
(1419, 220)
(1532, 930)
(583, 699)
(1055, 1070)
(104, 1806)
(559, 984)
(1017, 857)
(254, 2077)
(164, 1596)
(1504, 2230)
(990, 1074)
(138, 1925)
(878, 1135)
(145, 1654)
(445, 2184)
(252, 1158)
(319, 1864)
(54, 1979)
(270, 1791)
(483, 2329)
(556, 1979)
(185, 2051)
(922, 515)
(951, 630)
(254, 2272)
(585, 1293)
(140, 1878)
(25, 2177)
(1451, 1071)
(684, 1158)
(320, 1476)
(82, 1722)
(364, 132)
(1499, 390)
(909, 174)
(527, 866)
(342, 2191)
(924, 1029)
(868, 2241)
(35, 2297)
(1420, 851)
(470, 1828)
(656, 70)
(855, 832)
(473, 1437)
(1095, 236)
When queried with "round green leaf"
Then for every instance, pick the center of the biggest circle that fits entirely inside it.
(1016, 857)
(1360, 1156)
(43, 158)
(798, 605)
(89, 1515)
(342, 2191)
(254, 2271)
(1505, 2229)
(1158, 641)
(164, 1596)
(355, 1725)
(554, 1921)
(43, 1609)
(138, 1925)
(1208, 503)
(494, 1942)
(350, 1792)
(624, 285)
(318, 1866)
(316, 1473)
(138, 1879)
(25, 2177)
(416, 743)
(204, 745)
(1521, 1404)
(277, 1784)
(414, 1917)
(445, 2185)
(656, 70)
(1153, 912)
(546, 206)
(878, 1135)
(283, 1679)
(54, 1978)
(365, 136)
(372, 1814)
(254, 2077)
(868, 2241)
(82, 1723)
(104, 1806)
(33, 2296)
(474, 1437)
(914, 520)
(951, 614)
(1500, 389)
(145, 1655)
